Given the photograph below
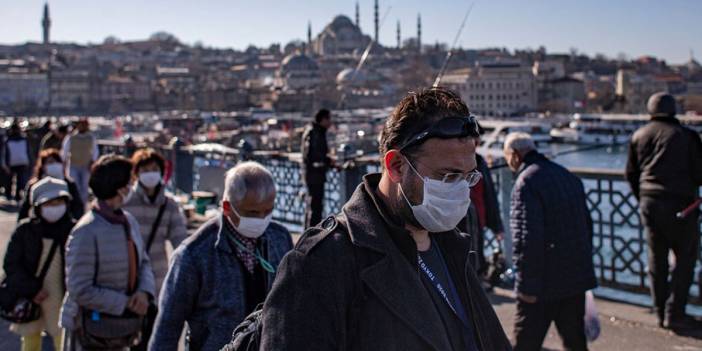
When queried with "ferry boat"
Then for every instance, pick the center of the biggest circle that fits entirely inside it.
(596, 129)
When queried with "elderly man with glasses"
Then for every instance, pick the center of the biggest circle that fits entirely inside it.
(391, 272)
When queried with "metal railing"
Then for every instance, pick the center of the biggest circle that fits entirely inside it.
(619, 243)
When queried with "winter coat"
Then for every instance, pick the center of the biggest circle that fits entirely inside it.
(205, 287)
(552, 231)
(353, 283)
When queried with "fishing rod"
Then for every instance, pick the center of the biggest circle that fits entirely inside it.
(689, 209)
(364, 57)
(449, 54)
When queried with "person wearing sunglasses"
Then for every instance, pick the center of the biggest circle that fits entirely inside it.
(222, 272)
(391, 272)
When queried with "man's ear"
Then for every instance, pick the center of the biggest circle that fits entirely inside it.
(226, 206)
(393, 162)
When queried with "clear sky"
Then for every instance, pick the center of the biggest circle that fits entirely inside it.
(668, 29)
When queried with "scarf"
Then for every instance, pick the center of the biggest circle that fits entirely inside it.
(246, 254)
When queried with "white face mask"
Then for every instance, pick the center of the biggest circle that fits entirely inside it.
(52, 214)
(252, 227)
(443, 205)
(150, 179)
(54, 170)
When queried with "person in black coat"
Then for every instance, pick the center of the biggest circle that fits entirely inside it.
(664, 170)
(30, 245)
(50, 164)
(391, 272)
(552, 231)
(316, 162)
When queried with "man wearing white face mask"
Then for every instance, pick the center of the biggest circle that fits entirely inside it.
(222, 272)
(391, 272)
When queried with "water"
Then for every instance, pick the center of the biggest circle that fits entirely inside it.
(608, 157)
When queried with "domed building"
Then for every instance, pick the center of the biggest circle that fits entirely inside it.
(298, 72)
(340, 37)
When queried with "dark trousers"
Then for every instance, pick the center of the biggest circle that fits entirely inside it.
(21, 176)
(315, 204)
(533, 321)
(665, 232)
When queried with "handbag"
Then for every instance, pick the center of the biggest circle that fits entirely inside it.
(24, 310)
(100, 331)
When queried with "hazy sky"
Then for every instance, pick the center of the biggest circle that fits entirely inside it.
(667, 29)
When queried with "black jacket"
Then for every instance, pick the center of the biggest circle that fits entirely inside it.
(353, 283)
(665, 159)
(552, 231)
(315, 154)
(492, 208)
(24, 252)
(75, 207)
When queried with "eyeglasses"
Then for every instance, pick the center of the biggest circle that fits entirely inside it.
(446, 128)
(472, 177)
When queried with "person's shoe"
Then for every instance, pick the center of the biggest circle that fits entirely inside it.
(683, 322)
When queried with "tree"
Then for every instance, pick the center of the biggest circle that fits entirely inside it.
(164, 36)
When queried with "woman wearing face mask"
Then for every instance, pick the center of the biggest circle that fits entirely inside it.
(159, 217)
(109, 280)
(49, 164)
(34, 260)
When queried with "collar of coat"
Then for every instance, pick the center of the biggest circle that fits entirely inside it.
(395, 278)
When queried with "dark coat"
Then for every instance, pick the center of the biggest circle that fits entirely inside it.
(75, 207)
(25, 249)
(205, 286)
(492, 207)
(315, 154)
(665, 159)
(353, 283)
(552, 231)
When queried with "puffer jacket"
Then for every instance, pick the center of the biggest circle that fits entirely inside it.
(552, 231)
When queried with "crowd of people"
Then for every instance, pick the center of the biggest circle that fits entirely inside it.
(401, 267)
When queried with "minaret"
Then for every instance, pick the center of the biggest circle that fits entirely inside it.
(309, 34)
(358, 16)
(376, 20)
(46, 23)
(419, 33)
(399, 37)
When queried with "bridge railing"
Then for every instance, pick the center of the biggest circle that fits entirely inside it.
(619, 243)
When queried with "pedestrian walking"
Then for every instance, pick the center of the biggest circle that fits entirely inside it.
(221, 273)
(552, 231)
(34, 262)
(109, 280)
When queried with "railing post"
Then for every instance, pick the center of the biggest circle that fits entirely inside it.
(347, 175)
(183, 163)
(506, 184)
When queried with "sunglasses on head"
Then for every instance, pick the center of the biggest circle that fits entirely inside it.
(446, 128)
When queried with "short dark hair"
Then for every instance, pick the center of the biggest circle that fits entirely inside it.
(416, 112)
(109, 174)
(44, 156)
(321, 115)
(143, 157)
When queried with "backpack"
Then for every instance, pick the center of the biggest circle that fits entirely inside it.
(247, 335)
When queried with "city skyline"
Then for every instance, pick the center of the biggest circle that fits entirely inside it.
(509, 23)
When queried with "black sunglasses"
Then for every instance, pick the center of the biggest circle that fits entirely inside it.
(446, 128)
